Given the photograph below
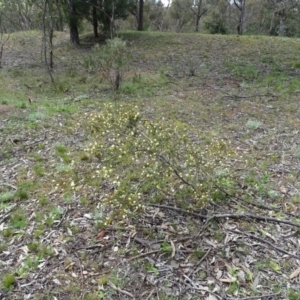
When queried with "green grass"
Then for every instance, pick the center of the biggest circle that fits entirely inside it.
(7, 197)
(190, 91)
(18, 219)
(8, 281)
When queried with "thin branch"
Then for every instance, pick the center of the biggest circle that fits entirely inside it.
(259, 297)
(265, 242)
(7, 214)
(230, 216)
(199, 262)
(180, 210)
(143, 254)
(8, 184)
(119, 290)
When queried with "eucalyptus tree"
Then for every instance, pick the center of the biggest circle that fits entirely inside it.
(157, 14)
(140, 26)
(199, 9)
(20, 15)
(241, 7)
(189, 11)
(282, 12)
(180, 13)
(75, 10)
(3, 38)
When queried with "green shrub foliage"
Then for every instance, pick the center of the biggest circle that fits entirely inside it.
(142, 161)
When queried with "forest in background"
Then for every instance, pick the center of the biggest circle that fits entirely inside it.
(252, 17)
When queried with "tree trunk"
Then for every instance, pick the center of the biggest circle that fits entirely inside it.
(95, 22)
(74, 35)
(272, 29)
(241, 6)
(73, 23)
(112, 20)
(51, 62)
(141, 15)
(282, 30)
(60, 21)
(197, 24)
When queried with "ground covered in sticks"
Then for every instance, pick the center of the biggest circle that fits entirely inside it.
(185, 187)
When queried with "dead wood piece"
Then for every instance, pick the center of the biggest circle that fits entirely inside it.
(143, 254)
(200, 261)
(9, 185)
(271, 296)
(180, 210)
(251, 236)
(62, 218)
(229, 216)
(7, 214)
(119, 290)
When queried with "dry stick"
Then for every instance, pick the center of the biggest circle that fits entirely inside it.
(143, 254)
(151, 293)
(81, 270)
(230, 216)
(38, 141)
(119, 290)
(139, 256)
(264, 241)
(9, 185)
(199, 262)
(180, 211)
(259, 297)
(241, 96)
(103, 247)
(262, 206)
(193, 286)
(62, 218)
(7, 214)
(258, 205)
(175, 171)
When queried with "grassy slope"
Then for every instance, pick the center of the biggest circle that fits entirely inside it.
(241, 89)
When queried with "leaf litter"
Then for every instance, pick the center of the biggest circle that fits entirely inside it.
(251, 251)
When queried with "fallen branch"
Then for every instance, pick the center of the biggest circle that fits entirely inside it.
(230, 216)
(37, 141)
(7, 214)
(180, 210)
(199, 262)
(8, 184)
(119, 290)
(251, 236)
(259, 297)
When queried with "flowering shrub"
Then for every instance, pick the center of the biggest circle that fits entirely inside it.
(147, 161)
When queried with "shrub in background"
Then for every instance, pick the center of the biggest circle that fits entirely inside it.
(112, 60)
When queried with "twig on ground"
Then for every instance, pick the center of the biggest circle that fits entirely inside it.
(251, 236)
(230, 216)
(7, 214)
(143, 254)
(62, 218)
(180, 210)
(228, 95)
(119, 290)
(9, 185)
(38, 141)
(92, 247)
(199, 262)
(151, 293)
(259, 297)
(194, 286)
(175, 171)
